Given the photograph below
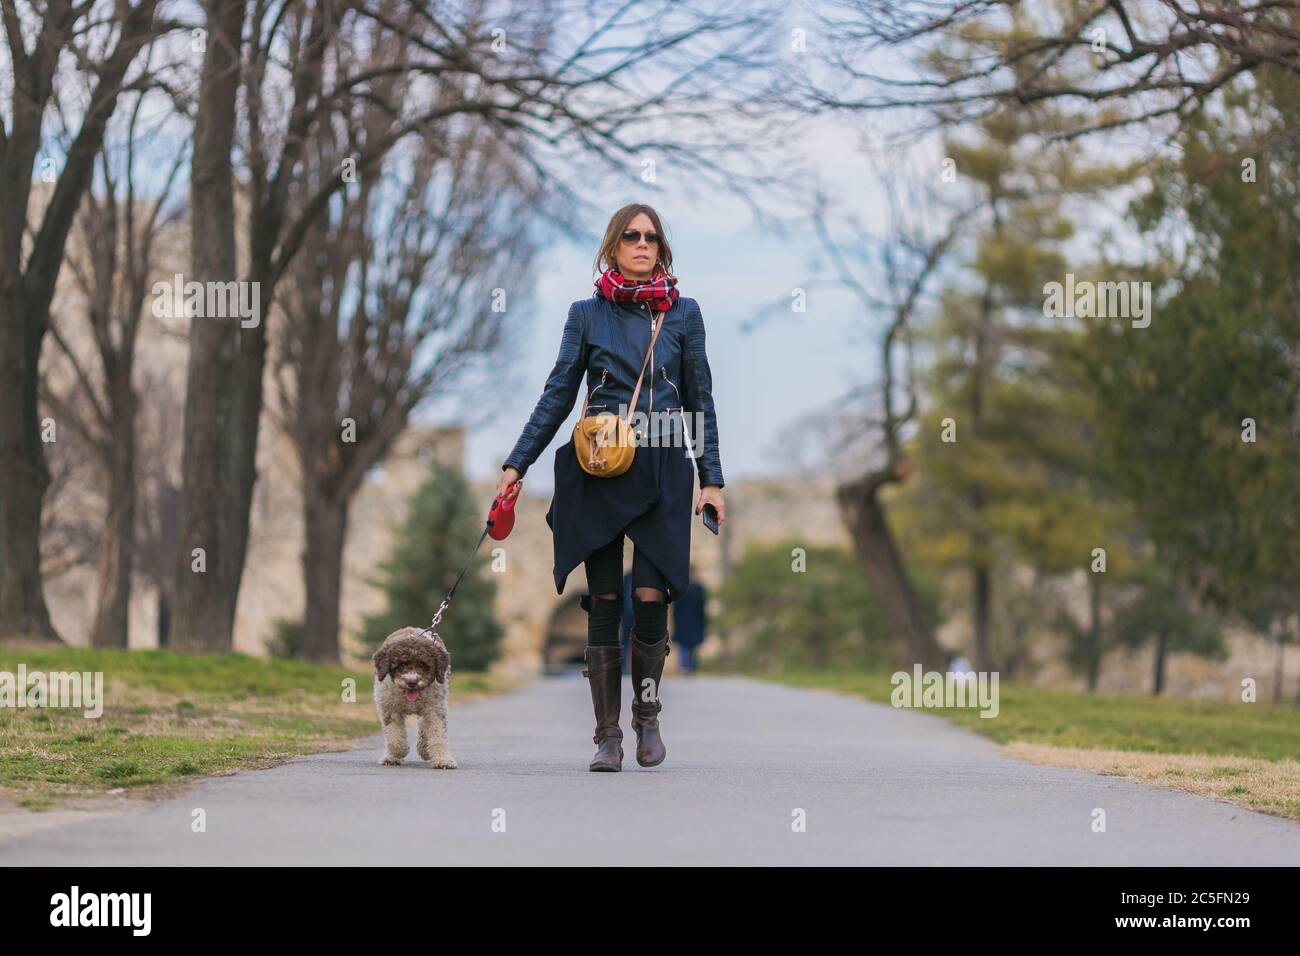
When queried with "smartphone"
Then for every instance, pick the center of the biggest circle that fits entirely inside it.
(711, 518)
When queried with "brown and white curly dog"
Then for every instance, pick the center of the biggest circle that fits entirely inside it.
(412, 676)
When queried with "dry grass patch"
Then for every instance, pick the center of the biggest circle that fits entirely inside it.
(1270, 786)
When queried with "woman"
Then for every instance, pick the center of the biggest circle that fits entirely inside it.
(606, 338)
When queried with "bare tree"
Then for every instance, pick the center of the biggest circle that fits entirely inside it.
(908, 260)
(510, 66)
(69, 531)
(105, 39)
(1111, 63)
(112, 263)
(388, 304)
(216, 468)
(157, 470)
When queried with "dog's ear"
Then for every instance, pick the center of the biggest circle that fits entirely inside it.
(441, 662)
(381, 663)
(434, 655)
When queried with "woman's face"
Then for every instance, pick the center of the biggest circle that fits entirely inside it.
(636, 260)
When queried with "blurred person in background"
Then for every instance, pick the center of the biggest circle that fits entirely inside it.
(689, 624)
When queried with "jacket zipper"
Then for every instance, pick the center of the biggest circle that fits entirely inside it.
(604, 373)
(652, 359)
(663, 370)
(681, 409)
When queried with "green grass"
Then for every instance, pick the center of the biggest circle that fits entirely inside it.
(169, 718)
(1064, 718)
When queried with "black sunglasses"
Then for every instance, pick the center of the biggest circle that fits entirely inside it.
(634, 235)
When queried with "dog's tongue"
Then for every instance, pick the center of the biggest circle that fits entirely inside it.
(412, 695)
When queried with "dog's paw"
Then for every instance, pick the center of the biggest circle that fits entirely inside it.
(445, 762)
(391, 762)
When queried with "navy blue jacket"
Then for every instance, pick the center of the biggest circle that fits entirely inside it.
(607, 342)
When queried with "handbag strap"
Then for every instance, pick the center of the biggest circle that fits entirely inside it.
(636, 392)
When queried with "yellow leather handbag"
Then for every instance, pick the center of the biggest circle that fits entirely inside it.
(604, 443)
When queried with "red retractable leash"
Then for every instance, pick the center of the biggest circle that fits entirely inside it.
(500, 522)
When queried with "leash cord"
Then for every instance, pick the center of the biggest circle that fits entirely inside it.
(437, 617)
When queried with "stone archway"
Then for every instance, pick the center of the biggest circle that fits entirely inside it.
(566, 637)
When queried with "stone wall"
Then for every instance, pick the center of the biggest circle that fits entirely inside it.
(543, 627)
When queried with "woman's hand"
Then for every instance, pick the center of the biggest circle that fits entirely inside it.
(712, 495)
(509, 477)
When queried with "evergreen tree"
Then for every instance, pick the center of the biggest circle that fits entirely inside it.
(1005, 451)
(1159, 614)
(442, 526)
(1199, 410)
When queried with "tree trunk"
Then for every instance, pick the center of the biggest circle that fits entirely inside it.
(164, 619)
(1278, 671)
(1094, 632)
(23, 474)
(117, 546)
(322, 564)
(1162, 645)
(1012, 661)
(983, 611)
(26, 289)
(219, 446)
(883, 567)
(982, 581)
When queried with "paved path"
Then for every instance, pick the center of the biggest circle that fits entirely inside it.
(878, 785)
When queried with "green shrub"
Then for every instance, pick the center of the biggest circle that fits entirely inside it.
(286, 638)
(443, 524)
(777, 617)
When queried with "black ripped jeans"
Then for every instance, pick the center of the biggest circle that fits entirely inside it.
(605, 576)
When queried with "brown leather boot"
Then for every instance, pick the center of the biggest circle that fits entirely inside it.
(647, 671)
(605, 673)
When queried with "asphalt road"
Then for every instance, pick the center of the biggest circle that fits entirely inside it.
(876, 786)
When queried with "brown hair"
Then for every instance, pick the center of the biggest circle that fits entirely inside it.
(605, 258)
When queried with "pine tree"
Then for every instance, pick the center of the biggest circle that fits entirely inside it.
(1005, 450)
(1161, 615)
(1198, 411)
(443, 524)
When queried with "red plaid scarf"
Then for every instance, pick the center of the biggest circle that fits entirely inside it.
(660, 290)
